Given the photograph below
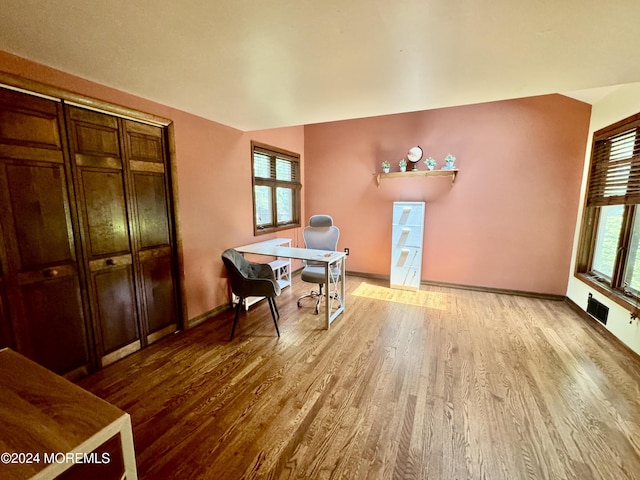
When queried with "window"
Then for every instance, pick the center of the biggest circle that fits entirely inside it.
(608, 255)
(276, 189)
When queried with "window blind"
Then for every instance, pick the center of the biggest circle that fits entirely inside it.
(277, 167)
(615, 168)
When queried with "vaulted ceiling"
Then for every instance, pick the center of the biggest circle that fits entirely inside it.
(254, 64)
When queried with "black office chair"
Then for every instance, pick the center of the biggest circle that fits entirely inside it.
(321, 234)
(251, 280)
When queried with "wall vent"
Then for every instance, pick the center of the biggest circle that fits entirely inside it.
(597, 310)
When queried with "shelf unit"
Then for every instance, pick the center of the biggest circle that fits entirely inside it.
(406, 245)
(418, 173)
(281, 267)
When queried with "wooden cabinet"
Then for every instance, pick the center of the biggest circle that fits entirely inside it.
(406, 245)
(86, 222)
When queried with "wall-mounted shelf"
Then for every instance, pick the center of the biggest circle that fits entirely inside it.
(419, 173)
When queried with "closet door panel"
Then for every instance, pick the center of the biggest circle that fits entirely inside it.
(111, 269)
(106, 212)
(115, 300)
(51, 322)
(50, 325)
(41, 217)
(151, 206)
(6, 336)
(6, 333)
(29, 127)
(45, 266)
(95, 143)
(152, 220)
(145, 143)
(155, 251)
(41, 272)
(158, 291)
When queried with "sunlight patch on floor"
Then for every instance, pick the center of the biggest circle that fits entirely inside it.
(421, 298)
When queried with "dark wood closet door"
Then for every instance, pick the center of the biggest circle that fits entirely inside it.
(145, 152)
(6, 337)
(101, 191)
(6, 334)
(41, 272)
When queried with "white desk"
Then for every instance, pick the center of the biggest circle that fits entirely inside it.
(327, 257)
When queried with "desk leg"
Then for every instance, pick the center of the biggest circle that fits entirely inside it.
(128, 451)
(331, 285)
(327, 294)
(343, 281)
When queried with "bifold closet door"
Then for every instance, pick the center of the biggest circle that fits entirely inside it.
(6, 337)
(44, 315)
(95, 145)
(152, 228)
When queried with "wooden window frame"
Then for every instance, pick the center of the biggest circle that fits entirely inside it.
(295, 185)
(596, 198)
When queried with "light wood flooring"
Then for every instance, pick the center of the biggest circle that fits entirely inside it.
(440, 384)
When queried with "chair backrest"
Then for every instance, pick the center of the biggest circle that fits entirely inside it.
(238, 268)
(247, 278)
(321, 233)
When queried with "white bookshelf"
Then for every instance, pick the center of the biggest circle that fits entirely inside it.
(406, 245)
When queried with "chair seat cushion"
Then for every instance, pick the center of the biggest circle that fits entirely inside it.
(316, 274)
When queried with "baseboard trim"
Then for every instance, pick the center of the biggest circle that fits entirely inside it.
(119, 354)
(157, 335)
(195, 321)
(501, 291)
(602, 330)
(476, 288)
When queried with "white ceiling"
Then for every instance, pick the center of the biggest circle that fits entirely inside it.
(254, 64)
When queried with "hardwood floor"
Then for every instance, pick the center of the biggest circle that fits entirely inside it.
(439, 384)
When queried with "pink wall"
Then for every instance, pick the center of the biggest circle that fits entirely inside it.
(509, 220)
(214, 180)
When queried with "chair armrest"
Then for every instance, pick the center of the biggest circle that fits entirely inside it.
(263, 270)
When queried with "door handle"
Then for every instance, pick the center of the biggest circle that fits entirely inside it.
(50, 273)
(111, 262)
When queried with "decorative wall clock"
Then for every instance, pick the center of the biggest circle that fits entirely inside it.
(414, 156)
